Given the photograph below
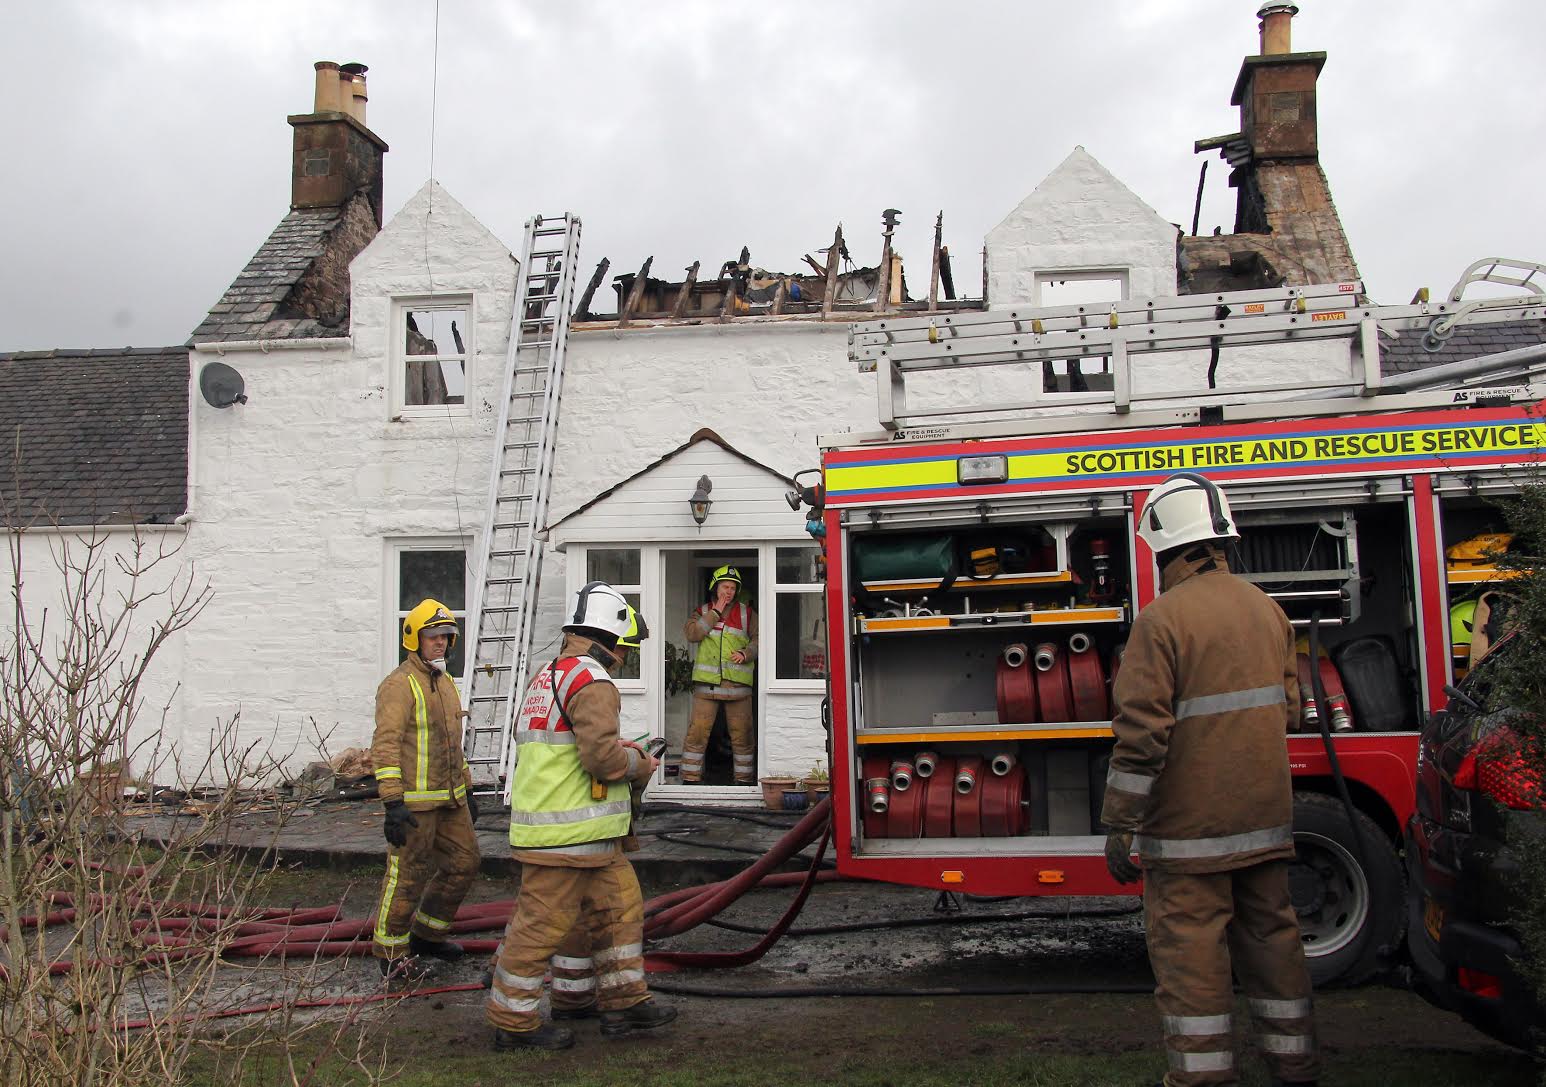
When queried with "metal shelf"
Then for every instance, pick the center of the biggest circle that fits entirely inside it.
(964, 582)
(981, 620)
(1057, 730)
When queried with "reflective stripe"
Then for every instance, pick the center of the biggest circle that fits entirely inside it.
(1280, 1009)
(1194, 848)
(416, 796)
(623, 951)
(620, 977)
(1288, 1045)
(1138, 784)
(421, 720)
(382, 936)
(633, 761)
(586, 670)
(1252, 699)
(732, 693)
(514, 1004)
(516, 981)
(747, 761)
(1216, 1061)
(460, 791)
(573, 985)
(387, 773)
(579, 849)
(543, 736)
(431, 922)
(569, 962)
(1197, 1024)
(573, 815)
(692, 757)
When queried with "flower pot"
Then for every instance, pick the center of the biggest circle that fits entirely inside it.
(795, 800)
(817, 790)
(773, 789)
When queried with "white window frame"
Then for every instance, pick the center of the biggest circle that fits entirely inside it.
(396, 546)
(633, 589)
(773, 594)
(398, 354)
(1046, 276)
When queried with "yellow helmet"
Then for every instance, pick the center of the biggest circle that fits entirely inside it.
(637, 630)
(725, 573)
(425, 616)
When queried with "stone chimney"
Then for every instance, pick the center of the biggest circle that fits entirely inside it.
(336, 156)
(1276, 91)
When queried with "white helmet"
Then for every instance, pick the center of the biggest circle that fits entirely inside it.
(1186, 508)
(598, 606)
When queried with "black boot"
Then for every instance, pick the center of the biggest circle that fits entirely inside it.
(547, 1036)
(588, 1011)
(645, 1015)
(449, 950)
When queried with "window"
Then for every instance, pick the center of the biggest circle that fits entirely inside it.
(620, 568)
(800, 642)
(1085, 287)
(432, 351)
(436, 569)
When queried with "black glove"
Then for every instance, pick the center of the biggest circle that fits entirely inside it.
(398, 820)
(1119, 857)
(472, 807)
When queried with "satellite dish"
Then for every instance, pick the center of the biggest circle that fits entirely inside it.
(221, 385)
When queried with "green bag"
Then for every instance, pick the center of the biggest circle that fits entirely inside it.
(902, 558)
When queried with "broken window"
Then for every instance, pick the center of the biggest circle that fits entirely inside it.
(1081, 288)
(434, 341)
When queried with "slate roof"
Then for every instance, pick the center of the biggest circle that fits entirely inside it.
(1468, 342)
(252, 307)
(103, 436)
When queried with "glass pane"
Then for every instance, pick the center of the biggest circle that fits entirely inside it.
(796, 565)
(614, 566)
(801, 651)
(630, 668)
(441, 575)
(435, 331)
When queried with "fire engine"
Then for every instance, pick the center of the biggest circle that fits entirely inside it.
(983, 571)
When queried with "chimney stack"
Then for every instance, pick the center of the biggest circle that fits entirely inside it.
(1276, 28)
(336, 157)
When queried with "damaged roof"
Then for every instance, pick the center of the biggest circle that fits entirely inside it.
(1401, 356)
(94, 437)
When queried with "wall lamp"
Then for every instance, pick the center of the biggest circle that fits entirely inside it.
(700, 502)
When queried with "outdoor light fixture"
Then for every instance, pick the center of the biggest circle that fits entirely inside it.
(988, 469)
(700, 502)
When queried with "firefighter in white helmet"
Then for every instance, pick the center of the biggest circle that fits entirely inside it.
(569, 841)
(725, 632)
(424, 782)
(1200, 789)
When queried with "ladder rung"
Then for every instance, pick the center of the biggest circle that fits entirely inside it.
(501, 609)
(518, 471)
(507, 553)
(523, 445)
(496, 637)
(505, 581)
(543, 231)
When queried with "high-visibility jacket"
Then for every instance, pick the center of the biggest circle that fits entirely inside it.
(1208, 689)
(551, 806)
(417, 747)
(718, 636)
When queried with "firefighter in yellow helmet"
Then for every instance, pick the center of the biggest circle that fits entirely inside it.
(424, 782)
(1200, 789)
(569, 843)
(725, 632)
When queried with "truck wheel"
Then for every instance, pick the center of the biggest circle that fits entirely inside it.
(1350, 914)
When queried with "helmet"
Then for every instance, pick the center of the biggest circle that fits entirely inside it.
(427, 615)
(1186, 508)
(598, 606)
(725, 573)
(637, 630)
(1462, 621)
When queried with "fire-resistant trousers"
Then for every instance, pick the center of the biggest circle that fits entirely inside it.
(1200, 925)
(574, 971)
(552, 900)
(743, 737)
(426, 880)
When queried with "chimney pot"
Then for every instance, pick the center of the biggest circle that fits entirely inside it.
(327, 88)
(352, 89)
(1276, 31)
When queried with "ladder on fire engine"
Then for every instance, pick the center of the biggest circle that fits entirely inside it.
(508, 575)
(1110, 334)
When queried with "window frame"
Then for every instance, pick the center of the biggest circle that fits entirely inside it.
(1046, 276)
(775, 592)
(396, 546)
(633, 589)
(399, 357)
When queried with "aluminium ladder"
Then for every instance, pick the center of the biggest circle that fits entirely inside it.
(508, 575)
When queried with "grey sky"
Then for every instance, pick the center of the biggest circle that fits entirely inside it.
(148, 155)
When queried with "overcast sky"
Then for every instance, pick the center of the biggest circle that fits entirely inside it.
(147, 154)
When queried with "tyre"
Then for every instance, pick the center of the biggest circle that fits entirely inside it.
(1352, 915)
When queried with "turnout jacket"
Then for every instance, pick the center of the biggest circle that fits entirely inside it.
(417, 748)
(1207, 692)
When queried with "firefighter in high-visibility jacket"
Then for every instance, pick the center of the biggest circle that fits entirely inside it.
(569, 842)
(725, 631)
(424, 782)
(1200, 788)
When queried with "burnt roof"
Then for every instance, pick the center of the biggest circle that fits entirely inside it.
(1401, 356)
(102, 436)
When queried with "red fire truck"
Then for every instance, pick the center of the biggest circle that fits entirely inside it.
(983, 571)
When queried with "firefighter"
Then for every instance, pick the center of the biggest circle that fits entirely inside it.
(569, 842)
(1199, 786)
(424, 782)
(725, 632)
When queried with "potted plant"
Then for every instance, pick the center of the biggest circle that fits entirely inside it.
(774, 787)
(817, 784)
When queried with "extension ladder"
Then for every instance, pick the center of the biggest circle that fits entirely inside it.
(508, 575)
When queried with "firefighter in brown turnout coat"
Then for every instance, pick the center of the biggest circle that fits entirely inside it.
(1200, 788)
